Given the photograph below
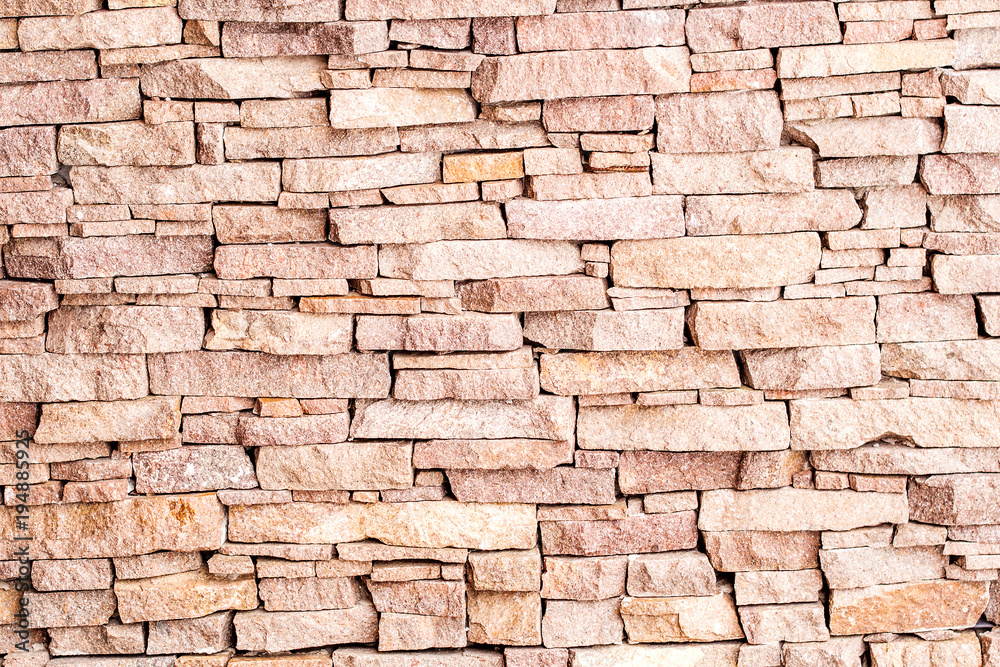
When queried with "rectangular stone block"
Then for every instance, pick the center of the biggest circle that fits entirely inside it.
(562, 485)
(761, 427)
(643, 472)
(805, 368)
(251, 181)
(234, 78)
(267, 224)
(910, 607)
(353, 467)
(791, 510)
(367, 657)
(183, 595)
(864, 137)
(787, 169)
(248, 143)
(122, 29)
(294, 261)
(643, 533)
(955, 499)
(966, 274)
(417, 224)
(439, 333)
(360, 173)
(398, 107)
(961, 173)
(23, 67)
(131, 143)
(28, 151)
(360, 10)
(799, 323)
(733, 262)
(619, 113)
(256, 375)
(284, 10)
(606, 330)
(763, 26)
(818, 424)
(541, 76)
(152, 418)
(498, 454)
(279, 332)
(600, 30)
(57, 102)
(867, 566)
(57, 377)
(478, 260)
(44, 207)
(499, 384)
(595, 219)
(104, 257)
(125, 329)
(585, 373)
(704, 122)
(256, 40)
(545, 418)
(703, 618)
(277, 631)
(841, 59)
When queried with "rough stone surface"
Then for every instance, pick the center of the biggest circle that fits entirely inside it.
(764, 26)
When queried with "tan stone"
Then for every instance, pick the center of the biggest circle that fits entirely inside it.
(506, 570)
(477, 135)
(283, 113)
(511, 619)
(441, 333)
(965, 274)
(471, 260)
(124, 329)
(27, 151)
(750, 551)
(42, 207)
(569, 578)
(962, 649)
(360, 173)
(839, 59)
(642, 472)
(806, 368)
(606, 330)
(233, 78)
(917, 606)
(366, 657)
(680, 573)
(555, 485)
(787, 169)
(820, 424)
(804, 622)
(765, 26)
(598, 219)
(466, 384)
(591, 185)
(703, 122)
(754, 588)
(279, 332)
(499, 454)
(197, 183)
(963, 125)
(954, 360)
(632, 535)
(790, 510)
(80, 574)
(358, 10)
(111, 638)
(677, 619)
(217, 466)
(395, 107)
(960, 173)
(866, 566)
(284, 10)
(267, 224)
(362, 466)
(685, 368)
(243, 143)
(604, 30)
(883, 170)
(954, 499)
(620, 113)
(260, 630)
(182, 595)
(101, 30)
(293, 261)
(278, 376)
(972, 86)
(535, 294)
(717, 262)
(416, 224)
(570, 623)
(721, 654)
(863, 137)
(798, 323)
(59, 102)
(472, 167)
(150, 418)
(612, 72)
(254, 40)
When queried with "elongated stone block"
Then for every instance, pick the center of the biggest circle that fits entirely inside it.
(790, 510)
(760, 427)
(607, 330)
(294, 261)
(151, 418)
(910, 607)
(562, 485)
(267, 224)
(788, 169)
(268, 39)
(949, 360)
(718, 654)
(439, 333)
(498, 454)
(132, 143)
(623, 372)
(955, 499)
(312, 141)
(282, 10)
(183, 595)
(903, 460)
(251, 181)
(279, 332)
(125, 329)
(644, 533)
(842, 59)
(417, 224)
(864, 137)
(804, 368)
(122, 29)
(233, 78)
(277, 631)
(703, 618)
(718, 122)
(398, 107)
(600, 30)
(360, 173)
(353, 467)
(58, 102)
(478, 260)
(762, 26)
(596, 219)
(78, 377)
(361, 10)
(961, 173)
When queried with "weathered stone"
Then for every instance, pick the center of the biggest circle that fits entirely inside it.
(233, 78)
(254, 40)
(278, 332)
(23, 301)
(620, 113)
(360, 10)
(506, 570)
(203, 635)
(841, 651)
(747, 551)
(477, 135)
(681, 573)
(416, 224)
(818, 424)
(536, 294)
(555, 485)
(612, 72)
(955, 499)
(131, 526)
(705, 618)
(57, 102)
(512, 619)
(787, 169)
(866, 566)
(152, 418)
(183, 595)
(101, 30)
(910, 607)
(953, 360)
(251, 181)
(432, 524)
(963, 124)
(925, 317)
(440, 333)
(642, 472)
(972, 87)
(798, 323)
(734, 262)
(477, 260)
(788, 622)
(359, 466)
(704, 122)
(764, 26)
(43, 207)
(962, 649)
(292, 431)
(466, 384)
(124, 329)
(600, 30)
(499, 454)
(242, 143)
(366, 657)
(156, 564)
(47, 65)
(790, 510)
(721, 654)
(606, 330)
(960, 173)
(760, 427)
(575, 623)
(74, 575)
(863, 137)
(217, 466)
(778, 587)
(427, 598)
(965, 274)
(258, 375)
(315, 260)
(568, 578)
(360, 173)
(595, 219)
(221, 10)
(632, 535)
(592, 185)
(840, 59)
(27, 151)
(309, 593)
(806, 368)
(113, 638)
(267, 224)
(395, 107)
(260, 630)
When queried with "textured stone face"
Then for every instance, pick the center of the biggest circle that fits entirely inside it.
(942, 604)
(364, 466)
(233, 78)
(183, 595)
(765, 26)
(124, 329)
(93, 101)
(678, 619)
(798, 510)
(101, 30)
(596, 219)
(785, 170)
(805, 368)
(703, 122)
(131, 143)
(190, 185)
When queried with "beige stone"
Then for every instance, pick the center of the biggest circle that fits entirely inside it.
(293, 261)
(750, 551)
(534, 294)
(605, 330)
(417, 224)
(111, 638)
(59, 102)
(788, 169)
(642, 472)
(124, 329)
(955, 360)
(183, 595)
(672, 574)
(820, 424)
(440, 333)
(477, 135)
(620, 113)
(360, 173)
(279, 332)
(498, 454)
(960, 173)
(962, 649)
(43, 207)
(512, 619)
(678, 619)
(555, 485)
(721, 654)
(717, 262)
(954, 499)
(27, 151)
(233, 78)
(971, 86)
(863, 137)
(366, 657)
(570, 623)
(798, 323)
(497, 384)
(603, 219)
(267, 224)
(839, 59)
(790, 510)
(612, 72)
(591, 185)
(394, 107)
(471, 260)
(509, 570)
(275, 376)
(917, 606)
(632, 535)
(254, 40)
(242, 143)
(197, 183)
(765, 26)
(963, 125)
(150, 418)
(754, 588)
(806, 368)
(284, 10)
(615, 372)
(569, 578)
(684, 427)
(704, 122)
(866, 566)
(593, 30)
(358, 10)
(101, 30)
(217, 466)
(264, 114)
(273, 632)
(965, 274)
(804, 622)
(359, 466)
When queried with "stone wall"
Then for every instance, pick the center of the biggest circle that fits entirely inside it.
(499, 333)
